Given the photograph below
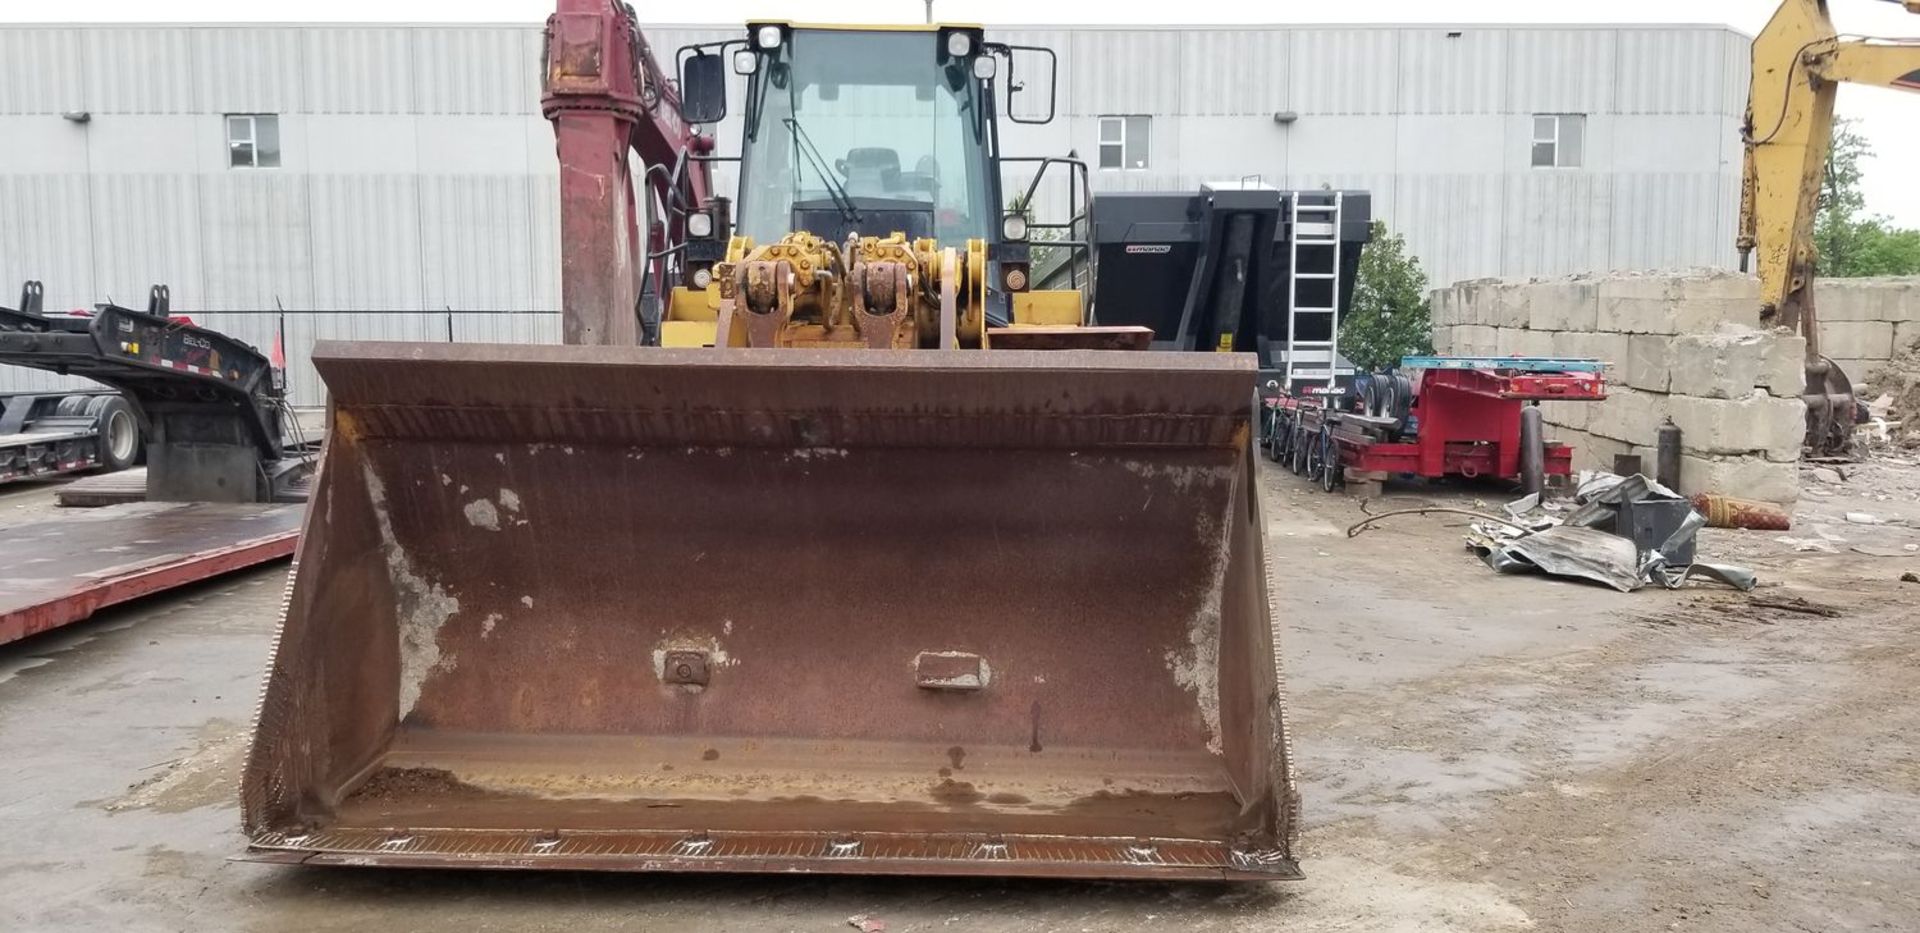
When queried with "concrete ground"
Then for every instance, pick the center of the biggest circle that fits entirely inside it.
(1478, 753)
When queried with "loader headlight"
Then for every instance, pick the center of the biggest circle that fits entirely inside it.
(767, 37)
(700, 225)
(702, 277)
(745, 61)
(983, 66)
(1014, 227)
(959, 44)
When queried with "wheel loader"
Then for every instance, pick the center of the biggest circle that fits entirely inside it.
(878, 562)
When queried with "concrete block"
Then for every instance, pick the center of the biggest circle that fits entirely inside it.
(1636, 304)
(1593, 452)
(1759, 423)
(1870, 299)
(1746, 477)
(1628, 416)
(1471, 300)
(1646, 364)
(1703, 302)
(1903, 300)
(1474, 340)
(1856, 340)
(1906, 334)
(1563, 305)
(1783, 364)
(1439, 310)
(1606, 348)
(1441, 336)
(1514, 341)
(1570, 415)
(1509, 304)
(1649, 459)
(1727, 363)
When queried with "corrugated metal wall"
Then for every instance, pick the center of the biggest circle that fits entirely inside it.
(417, 191)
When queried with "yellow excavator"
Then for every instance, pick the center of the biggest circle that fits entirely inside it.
(1799, 61)
(877, 561)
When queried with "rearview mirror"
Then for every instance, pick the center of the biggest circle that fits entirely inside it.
(703, 88)
(1031, 77)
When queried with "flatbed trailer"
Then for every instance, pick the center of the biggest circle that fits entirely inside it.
(59, 571)
(1446, 416)
(219, 470)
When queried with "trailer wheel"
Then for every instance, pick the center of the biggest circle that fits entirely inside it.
(117, 429)
(73, 406)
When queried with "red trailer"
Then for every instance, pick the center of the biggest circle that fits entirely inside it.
(1437, 416)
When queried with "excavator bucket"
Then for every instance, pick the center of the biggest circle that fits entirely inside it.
(993, 612)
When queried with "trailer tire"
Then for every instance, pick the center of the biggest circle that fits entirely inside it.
(117, 429)
(73, 406)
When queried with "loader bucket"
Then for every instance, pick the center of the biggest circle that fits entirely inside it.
(964, 612)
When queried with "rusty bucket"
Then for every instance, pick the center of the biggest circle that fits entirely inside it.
(971, 612)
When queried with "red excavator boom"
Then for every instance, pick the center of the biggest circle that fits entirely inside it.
(607, 98)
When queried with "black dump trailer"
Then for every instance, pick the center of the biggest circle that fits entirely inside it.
(1238, 266)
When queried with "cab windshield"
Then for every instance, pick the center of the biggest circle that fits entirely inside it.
(858, 121)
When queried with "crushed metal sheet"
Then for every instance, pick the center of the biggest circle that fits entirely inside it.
(1586, 544)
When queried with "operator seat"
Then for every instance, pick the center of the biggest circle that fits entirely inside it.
(872, 171)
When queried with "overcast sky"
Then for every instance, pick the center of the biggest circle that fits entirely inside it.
(1890, 119)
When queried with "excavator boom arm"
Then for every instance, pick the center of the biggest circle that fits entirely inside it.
(1798, 63)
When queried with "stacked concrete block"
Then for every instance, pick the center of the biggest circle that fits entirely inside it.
(1865, 322)
(1685, 346)
(1648, 365)
(1767, 424)
(1730, 361)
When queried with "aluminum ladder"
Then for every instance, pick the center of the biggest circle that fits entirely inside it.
(1314, 256)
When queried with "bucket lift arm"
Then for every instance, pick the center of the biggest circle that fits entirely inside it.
(1799, 62)
(607, 97)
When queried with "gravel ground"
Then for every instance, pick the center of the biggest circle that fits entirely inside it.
(1478, 753)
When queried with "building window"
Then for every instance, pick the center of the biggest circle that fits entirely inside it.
(1558, 139)
(253, 140)
(1123, 142)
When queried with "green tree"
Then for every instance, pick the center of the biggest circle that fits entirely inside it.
(1389, 316)
(1850, 241)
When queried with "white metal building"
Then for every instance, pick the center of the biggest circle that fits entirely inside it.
(398, 181)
